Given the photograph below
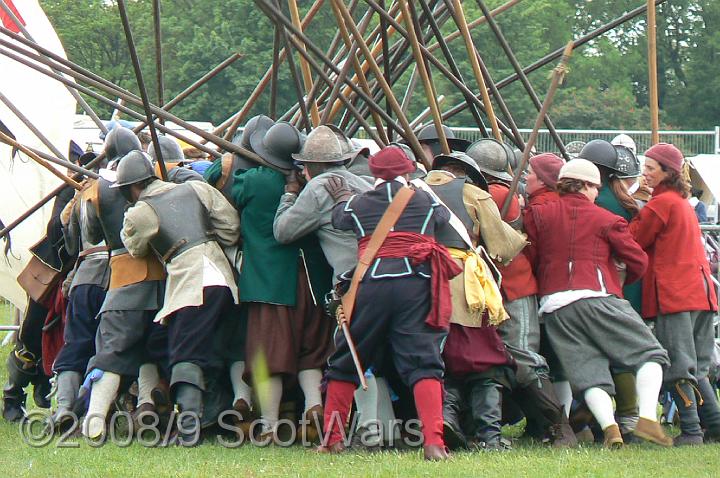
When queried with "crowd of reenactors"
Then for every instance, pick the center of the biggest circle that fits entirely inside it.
(329, 283)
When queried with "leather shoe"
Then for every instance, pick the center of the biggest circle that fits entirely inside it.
(613, 438)
(652, 431)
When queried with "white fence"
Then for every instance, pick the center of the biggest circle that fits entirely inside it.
(691, 143)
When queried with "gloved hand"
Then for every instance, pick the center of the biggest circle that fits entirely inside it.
(338, 188)
(292, 184)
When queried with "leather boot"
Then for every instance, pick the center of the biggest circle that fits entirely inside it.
(709, 411)
(613, 439)
(683, 394)
(189, 399)
(538, 399)
(452, 405)
(486, 410)
(68, 386)
(41, 390)
(14, 396)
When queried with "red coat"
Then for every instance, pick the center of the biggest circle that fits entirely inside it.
(542, 196)
(573, 243)
(518, 280)
(678, 275)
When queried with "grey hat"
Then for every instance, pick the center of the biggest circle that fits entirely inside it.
(132, 168)
(429, 134)
(326, 144)
(471, 167)
(573, 148)
(278, 144)
(492, 157)
(259, 122)
(119, 142)
(170, 149)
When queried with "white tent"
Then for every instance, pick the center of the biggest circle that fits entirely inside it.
(50, 107)
(705, 175)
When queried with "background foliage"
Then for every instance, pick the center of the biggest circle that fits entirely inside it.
(606, 88)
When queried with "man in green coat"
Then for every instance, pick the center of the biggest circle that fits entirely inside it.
(282, 284)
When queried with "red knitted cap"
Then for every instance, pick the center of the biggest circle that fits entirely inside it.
(547, 168)
(390, 162)
(666, 154)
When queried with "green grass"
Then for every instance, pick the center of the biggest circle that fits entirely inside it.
(211, 459)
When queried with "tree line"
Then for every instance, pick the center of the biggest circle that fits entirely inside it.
(607, 86)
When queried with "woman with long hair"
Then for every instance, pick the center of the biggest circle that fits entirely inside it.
(678, 292)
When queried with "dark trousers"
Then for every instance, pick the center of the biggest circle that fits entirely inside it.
(127, 339)
(80, 329)
(392, 312)
(30, 335)
(191, 330)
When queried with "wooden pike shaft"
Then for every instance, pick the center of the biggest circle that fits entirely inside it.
(376, 50)
(11, 142)
(158, 53)
(353, 61)
(652, 72)
(409, 135)
(83, 104)
(304, 67)
(558, 75)
(24, 119)
(472, 54)
(273, 11)
(424, 76)
(474, 23)
(141, 87)
(231, 125)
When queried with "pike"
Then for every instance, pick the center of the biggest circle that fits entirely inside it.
(424, 76)
(459, 15)
(304, 67)
(158, 53)
(409, 134)
(557, 78)
(523, 78)
(554, 55)
(652, 72)
(65, 163)
(184, 94)
(296, 78)
(438, 64)
(450, 60)
(11, 142)
(231, 125)
(83, 104)
(24, 119)
(270, 9)
(228, 146)
(353, 61)
(141, 86)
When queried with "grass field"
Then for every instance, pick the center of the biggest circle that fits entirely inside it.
(211, 460)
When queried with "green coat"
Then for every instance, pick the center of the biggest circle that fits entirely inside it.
(269, 270)
(607, 200)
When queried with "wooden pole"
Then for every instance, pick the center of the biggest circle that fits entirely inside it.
(11, 142)
(158, 53)
(304, 67)
(472, 54)
(557, 78)
(422, 71)
(409, 134)
(652, 72)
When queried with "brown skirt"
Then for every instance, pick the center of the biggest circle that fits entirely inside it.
(289, 339)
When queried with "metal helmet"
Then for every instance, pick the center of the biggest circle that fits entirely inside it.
(170, 149)
(119, 142)
(420, 171)
(429, 134)
(134, 167)
(469, 164)
(277, 144)
(625, 140)
(573, 148)
(492, 157)
(601, 153)
(259, 122)
(325, 145)
(628, 164)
